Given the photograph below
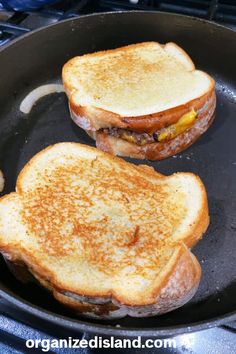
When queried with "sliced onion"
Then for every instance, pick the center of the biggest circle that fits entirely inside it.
(41, 91)
(2, 181)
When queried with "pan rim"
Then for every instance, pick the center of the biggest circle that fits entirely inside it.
(77, 18)
(81, 325)
(108, 329)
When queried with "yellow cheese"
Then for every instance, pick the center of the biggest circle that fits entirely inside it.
(185, 122)
(128, 137)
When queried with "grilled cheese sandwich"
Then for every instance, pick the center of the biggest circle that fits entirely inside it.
(106, 237)
(139, 89)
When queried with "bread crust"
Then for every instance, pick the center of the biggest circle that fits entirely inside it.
(93, 119)
(186, 60)
(159, 150)
(177, 287)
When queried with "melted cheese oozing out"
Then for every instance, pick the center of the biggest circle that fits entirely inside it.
(185, 122)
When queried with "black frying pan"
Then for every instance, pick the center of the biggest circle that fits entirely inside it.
(36, 59)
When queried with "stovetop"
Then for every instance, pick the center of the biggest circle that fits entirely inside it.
(13, 24)
(13, 332)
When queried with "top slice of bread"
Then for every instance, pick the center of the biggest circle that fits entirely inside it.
(94, 225)
(135, 80)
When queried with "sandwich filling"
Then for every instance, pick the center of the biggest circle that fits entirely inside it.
(161, 135)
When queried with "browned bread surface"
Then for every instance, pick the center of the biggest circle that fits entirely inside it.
(134, 81)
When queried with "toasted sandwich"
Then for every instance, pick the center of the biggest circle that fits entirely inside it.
(105, 237)
(144, 100)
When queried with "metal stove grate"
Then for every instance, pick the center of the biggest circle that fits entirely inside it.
(218, 10)
(13, 24)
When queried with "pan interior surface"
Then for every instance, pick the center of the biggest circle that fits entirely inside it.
(37, 59)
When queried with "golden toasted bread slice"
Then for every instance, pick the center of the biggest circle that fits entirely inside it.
(106, 237)
(136, 80)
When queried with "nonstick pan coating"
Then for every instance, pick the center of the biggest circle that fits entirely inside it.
(37, 58)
